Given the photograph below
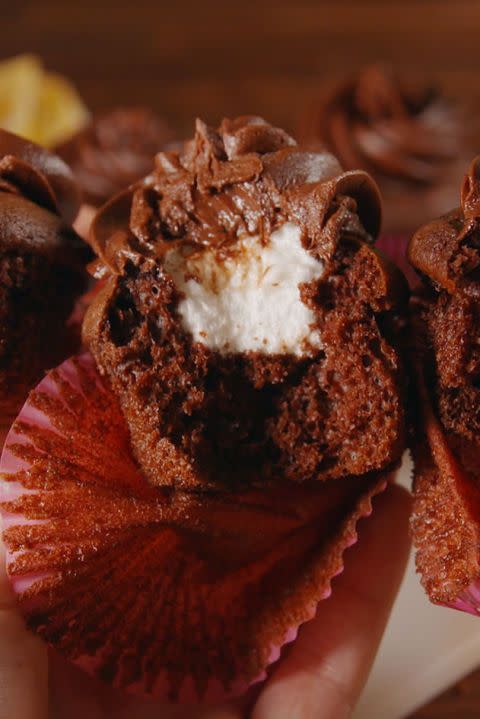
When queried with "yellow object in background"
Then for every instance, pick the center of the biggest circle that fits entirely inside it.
(39, 105)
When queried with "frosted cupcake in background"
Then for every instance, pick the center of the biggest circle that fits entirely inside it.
(107, 152)
(113, 151)
(408, 136)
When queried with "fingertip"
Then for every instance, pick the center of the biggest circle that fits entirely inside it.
(384, 538)
(328, 664)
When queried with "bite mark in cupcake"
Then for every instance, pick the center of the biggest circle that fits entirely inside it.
(247, 298)
(231, 408)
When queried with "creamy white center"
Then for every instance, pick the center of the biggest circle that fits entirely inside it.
(249, 299)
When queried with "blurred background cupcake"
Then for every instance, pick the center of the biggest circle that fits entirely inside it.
(114, 150)
(411, 138)
(41, 106)
(107, 151)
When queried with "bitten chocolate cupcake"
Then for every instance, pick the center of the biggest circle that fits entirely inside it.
(408, 136)
(215, 309)
(241, 404)
(116, 149)
(41, 265)
(446, 517)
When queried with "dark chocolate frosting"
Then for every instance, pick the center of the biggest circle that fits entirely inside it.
(38, 199)
(446, 250)
(115, 150)
(245, 177)
(394, 130)
(30, 170)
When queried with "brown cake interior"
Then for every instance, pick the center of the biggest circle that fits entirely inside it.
(452, 329)
(200, 417)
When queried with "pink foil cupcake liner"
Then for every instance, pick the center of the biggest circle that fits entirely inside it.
(183, 596)
(468, 600)
(395, 248)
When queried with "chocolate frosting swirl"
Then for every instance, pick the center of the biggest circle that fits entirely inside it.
(115, 150)
(447, 250)
(36, 173)
(244, 177)
(394, 130)
(38, 200)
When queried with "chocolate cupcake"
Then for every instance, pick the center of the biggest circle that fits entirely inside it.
(41, 264)
(446, 321)
(241, 404)
(115, 150)
(408, 136)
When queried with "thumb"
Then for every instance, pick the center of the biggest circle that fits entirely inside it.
(23, 660)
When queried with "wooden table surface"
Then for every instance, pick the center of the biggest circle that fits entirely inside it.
(212, 58)
(187, 58)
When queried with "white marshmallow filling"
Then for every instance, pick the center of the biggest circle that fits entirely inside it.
(248, 299)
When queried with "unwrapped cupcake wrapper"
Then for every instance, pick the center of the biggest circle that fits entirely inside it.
(187, 597)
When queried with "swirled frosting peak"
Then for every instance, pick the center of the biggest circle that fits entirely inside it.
(391, 128)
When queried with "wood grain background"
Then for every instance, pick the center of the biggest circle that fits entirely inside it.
(212, 58)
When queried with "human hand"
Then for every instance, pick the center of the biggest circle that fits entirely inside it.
(320, 676)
